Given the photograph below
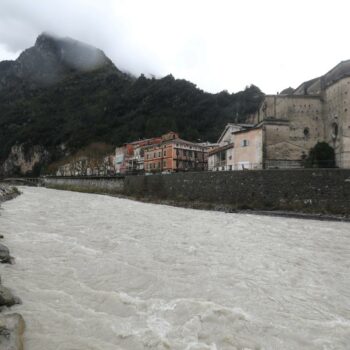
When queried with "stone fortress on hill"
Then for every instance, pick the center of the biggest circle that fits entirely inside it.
(288, 125)
(318, 110)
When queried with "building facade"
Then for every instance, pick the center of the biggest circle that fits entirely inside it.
(287, 126)
(173, 154)
(120, 160)
(129, 159)
(317, 111)
(239, 148)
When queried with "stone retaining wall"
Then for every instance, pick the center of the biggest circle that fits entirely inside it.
(321, 191)
(86, 184)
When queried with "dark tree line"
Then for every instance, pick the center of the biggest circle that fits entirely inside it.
(101, 106)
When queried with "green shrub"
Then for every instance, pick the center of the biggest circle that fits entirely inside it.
(321, 156)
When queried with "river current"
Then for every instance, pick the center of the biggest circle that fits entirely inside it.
(102, 273)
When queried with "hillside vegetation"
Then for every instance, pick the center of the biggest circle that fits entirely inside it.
(75, 107)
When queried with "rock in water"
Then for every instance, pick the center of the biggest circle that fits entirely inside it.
(11, 332)
(5, 257)
(7, 298)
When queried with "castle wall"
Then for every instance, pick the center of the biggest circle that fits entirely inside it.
(318, 110)
(306, 123)
(276, 146)
(293, 125)
(336, 115)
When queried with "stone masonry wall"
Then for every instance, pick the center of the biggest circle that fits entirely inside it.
(90, 184)
(310, 191)
(318, 191)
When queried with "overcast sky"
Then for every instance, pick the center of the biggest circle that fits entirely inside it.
(216, 44)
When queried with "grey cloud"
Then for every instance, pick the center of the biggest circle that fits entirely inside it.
(90, 21)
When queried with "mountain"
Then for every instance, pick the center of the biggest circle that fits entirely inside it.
(61, 95)
(49, 61)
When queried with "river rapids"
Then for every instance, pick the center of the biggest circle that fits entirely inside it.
(102, 273)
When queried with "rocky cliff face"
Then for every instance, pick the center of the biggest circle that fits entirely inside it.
(22, 161)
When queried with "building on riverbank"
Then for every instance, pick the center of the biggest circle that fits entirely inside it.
(318, 110)
(129, 158)
(174, 154)
(289, 124)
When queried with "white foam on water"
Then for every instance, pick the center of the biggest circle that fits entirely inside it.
(102, 273)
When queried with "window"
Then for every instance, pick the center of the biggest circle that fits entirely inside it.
(159, 154)
(164, 163)
(164, 153)
(306, 132)
(244, 143)
(335, 131)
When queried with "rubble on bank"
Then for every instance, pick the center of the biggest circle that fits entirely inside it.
(11, 325)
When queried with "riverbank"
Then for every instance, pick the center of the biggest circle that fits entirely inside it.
(235, 210)
(322, 194)
(11, 325)
(205, 206)
(8, 192)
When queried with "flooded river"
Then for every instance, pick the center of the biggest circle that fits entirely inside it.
(102, 273)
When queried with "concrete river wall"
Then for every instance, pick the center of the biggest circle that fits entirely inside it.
(319, 191)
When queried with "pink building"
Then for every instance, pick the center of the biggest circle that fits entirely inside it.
(173, 154)
(240, 147)
(130, 157)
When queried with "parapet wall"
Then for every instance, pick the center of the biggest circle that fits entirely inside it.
(303, 190)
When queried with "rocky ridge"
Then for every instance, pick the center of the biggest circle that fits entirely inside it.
(11, 325)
